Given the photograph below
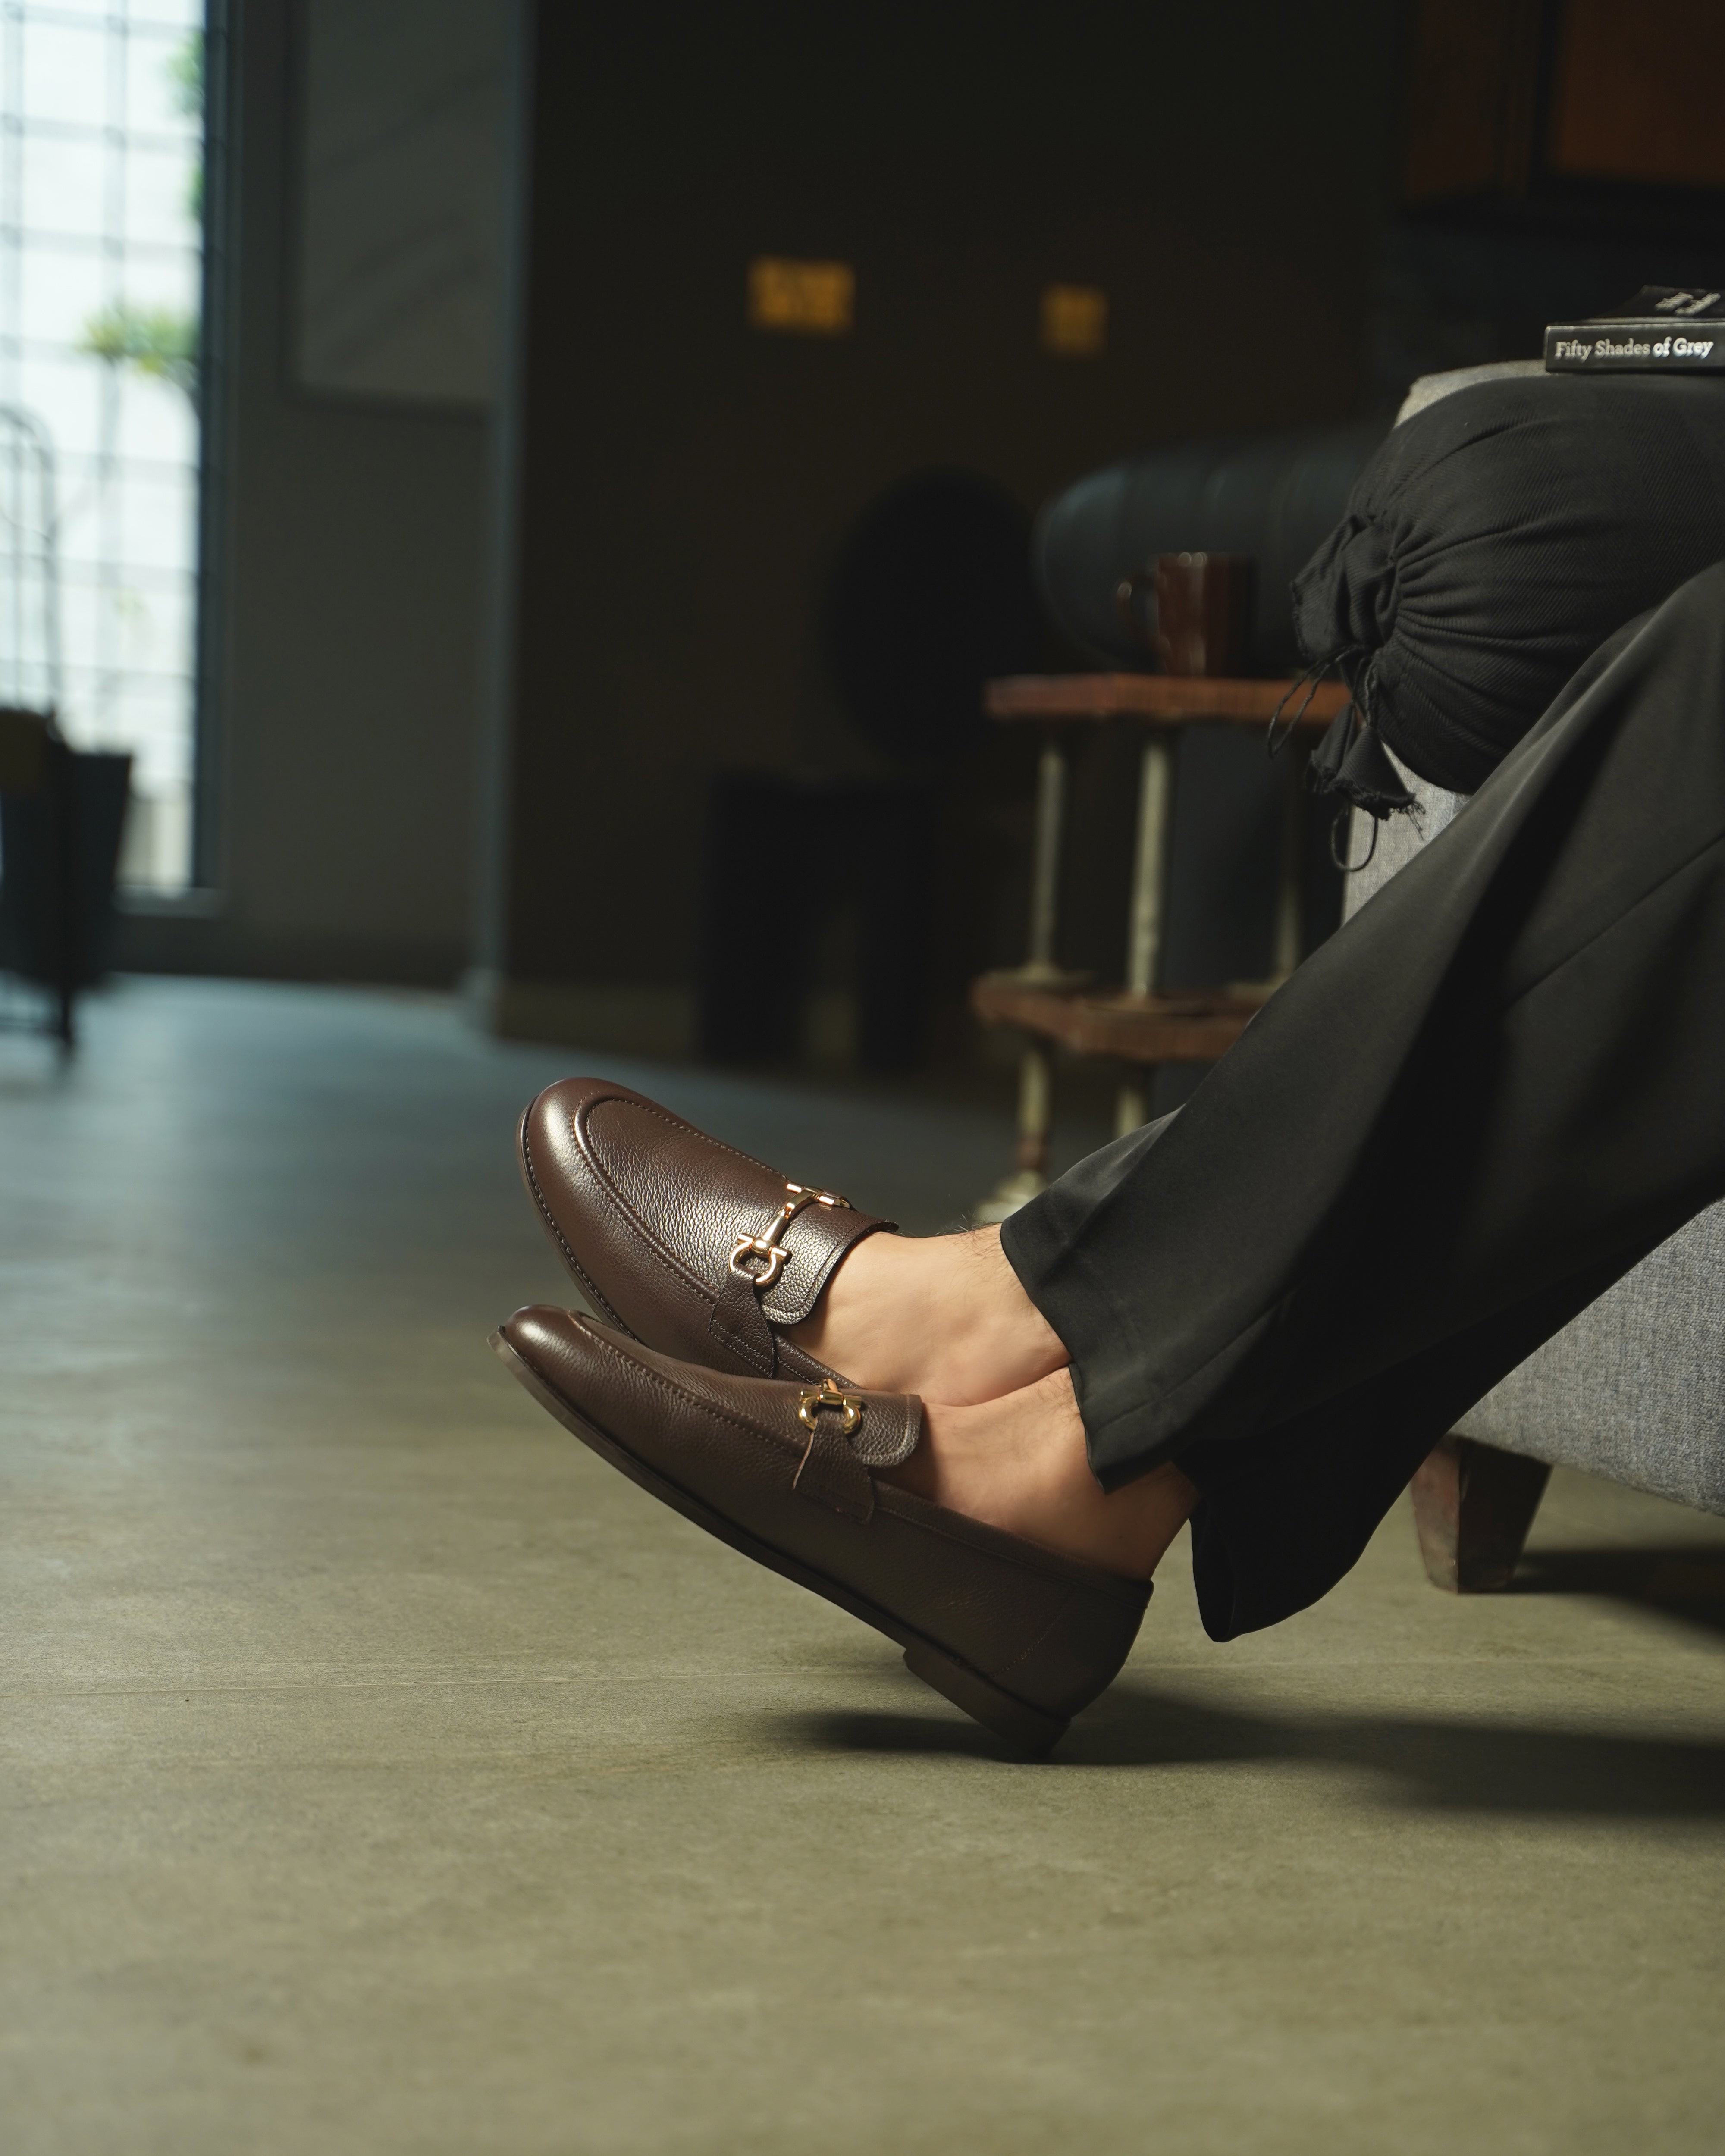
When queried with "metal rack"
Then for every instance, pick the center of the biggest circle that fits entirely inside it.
(29, 541)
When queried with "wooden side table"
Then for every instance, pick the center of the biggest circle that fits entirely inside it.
(1135, 1025)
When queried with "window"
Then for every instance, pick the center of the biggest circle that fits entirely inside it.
(101, 241)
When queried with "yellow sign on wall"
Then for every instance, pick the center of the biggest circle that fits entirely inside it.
(1075, 320)
(808, 299)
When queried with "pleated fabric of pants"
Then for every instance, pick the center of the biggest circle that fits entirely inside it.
(1484, 1100)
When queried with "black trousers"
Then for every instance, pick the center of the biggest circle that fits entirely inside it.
(1484, 1100)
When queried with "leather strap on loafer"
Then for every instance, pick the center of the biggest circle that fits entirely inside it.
(850, 1434)
(681, 1242)
(791, 1475)
(759, 1261)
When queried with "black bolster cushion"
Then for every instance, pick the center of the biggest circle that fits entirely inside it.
(1271, 495)
(1497, 538)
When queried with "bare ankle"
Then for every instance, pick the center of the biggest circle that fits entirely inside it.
(1021, 1464)
(943, 1316)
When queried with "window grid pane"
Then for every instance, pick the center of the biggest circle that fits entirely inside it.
(100, 248)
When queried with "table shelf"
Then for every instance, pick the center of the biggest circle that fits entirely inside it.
(1131, 1028)
(1160, 700)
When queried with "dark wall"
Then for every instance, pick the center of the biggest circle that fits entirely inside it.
(1556, 154)
(350, 583)
(682, 482)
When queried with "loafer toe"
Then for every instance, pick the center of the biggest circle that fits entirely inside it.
(684, 1243)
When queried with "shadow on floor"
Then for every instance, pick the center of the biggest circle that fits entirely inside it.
(1432, 1762)
(1685, 1579)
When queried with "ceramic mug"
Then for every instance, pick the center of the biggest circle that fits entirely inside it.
(1201, 610)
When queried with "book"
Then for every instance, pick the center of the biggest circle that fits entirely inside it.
(1664, 329)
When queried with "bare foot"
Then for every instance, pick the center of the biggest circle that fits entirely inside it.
(1020, 1464)
(943, 1316)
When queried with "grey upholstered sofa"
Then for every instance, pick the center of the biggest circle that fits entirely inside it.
(1634, 1389)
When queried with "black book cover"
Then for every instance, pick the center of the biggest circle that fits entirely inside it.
(1664, 329)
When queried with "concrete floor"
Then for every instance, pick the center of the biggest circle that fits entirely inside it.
(383, 1774)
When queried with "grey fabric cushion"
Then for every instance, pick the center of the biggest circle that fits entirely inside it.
(1634, 1388)
(1429, 387)
(1397, 840)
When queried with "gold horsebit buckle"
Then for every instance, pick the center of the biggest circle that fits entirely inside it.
(811, 1403)
(769, 1246)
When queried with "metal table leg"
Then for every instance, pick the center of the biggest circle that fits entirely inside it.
(1144, 919)
(1035, 1117)
(1051, 775)
(1290, 942)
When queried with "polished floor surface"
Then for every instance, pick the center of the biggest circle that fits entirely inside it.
(382, 1773)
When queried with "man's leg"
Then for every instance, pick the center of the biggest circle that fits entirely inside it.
(1484, 1100)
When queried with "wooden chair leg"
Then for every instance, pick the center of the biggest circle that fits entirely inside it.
(1473, 1505)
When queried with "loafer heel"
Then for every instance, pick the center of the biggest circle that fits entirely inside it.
(1026, 1728)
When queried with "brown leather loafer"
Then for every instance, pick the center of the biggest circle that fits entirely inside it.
(785, 1473)
(679, 1241)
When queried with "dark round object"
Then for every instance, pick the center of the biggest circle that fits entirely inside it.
(931, 596)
